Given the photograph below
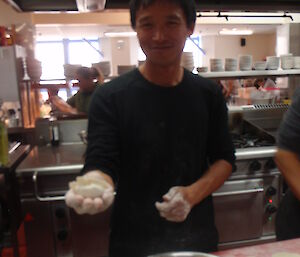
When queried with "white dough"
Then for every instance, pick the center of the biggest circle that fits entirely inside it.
(88, 187)
(286, 255)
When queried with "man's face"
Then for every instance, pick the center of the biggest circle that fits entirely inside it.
(85, 84)
(162, 31)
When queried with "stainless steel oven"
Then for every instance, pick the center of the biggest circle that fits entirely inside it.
(245, 208)
(51, 228)
(246, 205)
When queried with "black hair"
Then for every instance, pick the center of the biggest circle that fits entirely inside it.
(188, 7)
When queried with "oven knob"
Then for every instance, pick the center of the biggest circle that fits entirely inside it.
(271, 191)
(271, 209)
(270, 164)
(62, 235)
(254, 166)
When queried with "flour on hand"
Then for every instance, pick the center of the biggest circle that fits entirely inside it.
(89, 187)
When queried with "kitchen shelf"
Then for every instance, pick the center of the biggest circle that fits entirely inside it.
(251, 73)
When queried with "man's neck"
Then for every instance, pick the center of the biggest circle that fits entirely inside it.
(164, 76)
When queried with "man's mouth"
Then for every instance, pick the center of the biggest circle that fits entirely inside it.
(160, 47)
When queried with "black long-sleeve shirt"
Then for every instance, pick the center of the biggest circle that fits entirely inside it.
(150, 138)
(289, 131)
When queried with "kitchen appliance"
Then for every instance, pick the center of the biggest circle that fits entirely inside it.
(51, 228)
(246, 205)
(11, 72)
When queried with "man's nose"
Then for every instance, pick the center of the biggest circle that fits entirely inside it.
(159, 34)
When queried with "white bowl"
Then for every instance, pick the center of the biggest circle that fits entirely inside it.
(125, 68)
(103, 66)
(260, 65)
(297, 62)
(273, 62)
(287, 62)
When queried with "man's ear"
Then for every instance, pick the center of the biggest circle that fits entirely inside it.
(191, 29)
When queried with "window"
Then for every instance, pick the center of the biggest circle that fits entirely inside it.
(190, 47)
(54, 54)
(51, 54)
(81, 52)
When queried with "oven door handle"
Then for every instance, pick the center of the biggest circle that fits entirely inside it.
(239, 192)
(40, 198)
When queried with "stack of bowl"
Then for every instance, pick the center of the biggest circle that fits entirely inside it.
(70, 70)
(34, 68)
(187, 60)
(216, 64)
(287, 61)
(272, 62)
(103, 66)
(245, 62)
(260, 65)
(125, 68)
(297, 62)
(230, 64)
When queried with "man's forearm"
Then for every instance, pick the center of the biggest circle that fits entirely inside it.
(289, 165)
(210, 182)
(63, 106)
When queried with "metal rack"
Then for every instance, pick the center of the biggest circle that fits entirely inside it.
(250, 73)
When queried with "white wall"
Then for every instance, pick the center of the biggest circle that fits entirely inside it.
(120, 52)
(208, 44)
(282, 39)
(259, 46)
(134, 46)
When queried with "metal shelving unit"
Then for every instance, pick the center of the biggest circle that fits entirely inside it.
(251, 73)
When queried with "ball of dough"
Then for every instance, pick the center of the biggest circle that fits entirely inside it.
(89, 187)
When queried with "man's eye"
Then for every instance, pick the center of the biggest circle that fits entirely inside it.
(172, 23)
(146, 25)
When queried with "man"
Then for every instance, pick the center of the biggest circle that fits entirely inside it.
(78, 103)
(288, 161)
(81, 100)
(158, 135)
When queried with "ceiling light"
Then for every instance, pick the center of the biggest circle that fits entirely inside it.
(120, 34)
(90, 5)
(235, 32)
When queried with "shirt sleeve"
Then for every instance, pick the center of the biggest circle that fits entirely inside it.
(220, 146)
(71, 101)
(289, 130)
(103, 151)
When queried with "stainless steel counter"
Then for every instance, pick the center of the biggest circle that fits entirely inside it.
(49, 158)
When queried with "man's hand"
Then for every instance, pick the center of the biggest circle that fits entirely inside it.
(88, 205)
(175, 206)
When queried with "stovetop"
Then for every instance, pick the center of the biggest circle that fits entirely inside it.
(247, 140)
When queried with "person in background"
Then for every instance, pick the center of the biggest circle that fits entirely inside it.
(81, 100)
(58, 105)
(288, 161)
(97, 75)
(78, 103)
(158, 136)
